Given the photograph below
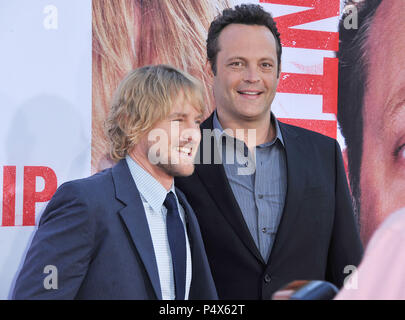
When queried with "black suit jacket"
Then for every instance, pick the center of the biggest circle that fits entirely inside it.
(317, 236)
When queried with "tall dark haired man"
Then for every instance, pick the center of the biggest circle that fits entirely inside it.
(277, 208)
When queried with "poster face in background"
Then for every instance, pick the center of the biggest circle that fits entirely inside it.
(372, 109)
(45, 112)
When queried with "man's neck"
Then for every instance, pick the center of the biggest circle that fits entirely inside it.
(158, 173)
(264, 129)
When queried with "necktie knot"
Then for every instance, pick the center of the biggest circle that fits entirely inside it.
(170, 202)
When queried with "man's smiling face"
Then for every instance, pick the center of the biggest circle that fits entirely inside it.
(246, 72)
(178, 137)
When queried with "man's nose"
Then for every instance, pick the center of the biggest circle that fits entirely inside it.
(251, 75)
(191, 134)
(195, 135)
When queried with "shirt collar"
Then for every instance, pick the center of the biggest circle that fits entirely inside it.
(151, 189)
(219, 131)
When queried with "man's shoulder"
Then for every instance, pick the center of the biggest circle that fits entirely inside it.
(95, 180)
(96, 184)
(306, 133)
(82, 198)
(285, 128)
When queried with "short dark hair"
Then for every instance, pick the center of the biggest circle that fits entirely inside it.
(353, 71)
(250, 14)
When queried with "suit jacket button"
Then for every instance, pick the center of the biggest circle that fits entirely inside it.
(267, 278)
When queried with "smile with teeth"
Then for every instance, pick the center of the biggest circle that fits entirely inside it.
(184, 150)
(250, 93)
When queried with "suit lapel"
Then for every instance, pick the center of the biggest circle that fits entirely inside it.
(296, 169)
(214, 178)
(133, 216)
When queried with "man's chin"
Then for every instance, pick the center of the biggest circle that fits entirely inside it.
(177, 170)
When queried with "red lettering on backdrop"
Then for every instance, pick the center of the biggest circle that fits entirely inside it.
(9, 184)
(309, 39)
(326, 84)
(31, 196)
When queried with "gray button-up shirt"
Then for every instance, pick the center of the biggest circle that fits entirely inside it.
(261, 190)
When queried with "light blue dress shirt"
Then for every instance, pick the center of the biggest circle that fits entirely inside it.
(153, 194)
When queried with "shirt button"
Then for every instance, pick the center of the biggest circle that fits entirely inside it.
(260, 196)
(264, 230)
(267, 278)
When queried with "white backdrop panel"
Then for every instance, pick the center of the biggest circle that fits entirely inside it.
(45, 105)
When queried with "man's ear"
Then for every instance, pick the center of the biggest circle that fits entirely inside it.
(208, 69)
(279, 71)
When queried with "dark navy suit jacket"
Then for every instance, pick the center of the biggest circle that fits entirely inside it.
(95, 232)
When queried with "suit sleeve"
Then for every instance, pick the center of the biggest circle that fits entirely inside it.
(64, 242)
(345, 246)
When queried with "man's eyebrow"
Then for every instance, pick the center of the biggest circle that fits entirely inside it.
(267, 58)
(184, 115)
(395, 104)
(244, 59)
(235, 58)
(177, 114)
